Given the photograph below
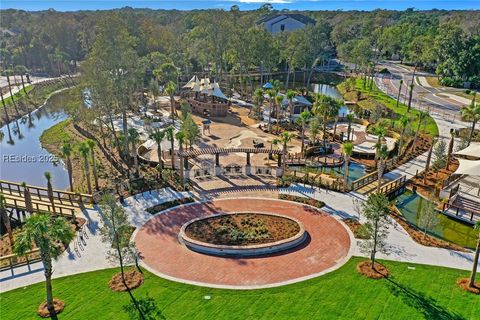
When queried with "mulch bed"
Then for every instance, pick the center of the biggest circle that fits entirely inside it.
(169, 204)
(133, 279)
(463, 283)
(6, 249)
(356, 227)
(58, 305)
(242, 229)
(433, 180)
(426, 240)
(312, 202)
(378, 272)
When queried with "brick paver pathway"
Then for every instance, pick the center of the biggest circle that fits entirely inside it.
(327, 248)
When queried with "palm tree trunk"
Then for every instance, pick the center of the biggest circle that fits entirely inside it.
(6, 222)
(475, 264)
(303, 138)
(400, 144)
(87, 174)
(380, 174)
(94, 168)
(472, 131)
(50, 195)
(70, 173)
(172, 153)
(427, 164)
(47, 263)
(346, 171)
(374, 249)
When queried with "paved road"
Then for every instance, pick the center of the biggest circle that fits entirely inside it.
(425, 97)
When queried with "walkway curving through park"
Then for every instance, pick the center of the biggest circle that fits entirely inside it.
(329, 246)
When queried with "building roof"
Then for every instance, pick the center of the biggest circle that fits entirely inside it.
(297, 16)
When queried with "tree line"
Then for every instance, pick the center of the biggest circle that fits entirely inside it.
(222, 42)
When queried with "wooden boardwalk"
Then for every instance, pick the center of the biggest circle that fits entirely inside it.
(63, 203)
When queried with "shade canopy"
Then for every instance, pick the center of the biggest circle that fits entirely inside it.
(216, 92)
(298, 100)
(268, 85)
(468, 167)
(473, 150)
(191, 83)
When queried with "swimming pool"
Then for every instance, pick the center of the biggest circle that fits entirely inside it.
(410, 204)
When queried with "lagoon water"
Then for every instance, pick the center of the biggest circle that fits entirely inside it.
(22, 157)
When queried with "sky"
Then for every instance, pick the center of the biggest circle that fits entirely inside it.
(73, 5)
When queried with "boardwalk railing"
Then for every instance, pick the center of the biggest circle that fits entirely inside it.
(393, 186)
(363, 181)
(40, 206)
(63, 197)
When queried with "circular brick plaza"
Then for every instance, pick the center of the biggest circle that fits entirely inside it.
(328, 247)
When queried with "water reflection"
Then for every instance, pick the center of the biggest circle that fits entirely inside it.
(22, 157)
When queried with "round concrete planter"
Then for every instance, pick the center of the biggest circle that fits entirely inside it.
(246, 250)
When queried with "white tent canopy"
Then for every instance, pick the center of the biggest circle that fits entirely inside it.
(468, 167)
(473, 150)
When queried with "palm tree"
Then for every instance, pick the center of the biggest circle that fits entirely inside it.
(28, 198)
(278, 103)
(380, 131)
(404, 121)
(349, 118)
(258, 100)
(325, 106)
(471, 113)
(303, 120)
(347, 150)
(290, 95)
(410, 97)
(134, 139)
(170, 133)
(45, 233)
(314, 129)
(450, 146)
(285, 138)
(170, 90)
(180, 136)
(48, 176)
(271, 99)
(6, 218)
(421, 118)
(382, 155)
(66, 151)
(84, 151)
(427, 163)
(399, 91)
(475, 259)
(158, 135)
(91, 145)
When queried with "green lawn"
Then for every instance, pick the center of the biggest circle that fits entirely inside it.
(379, 96)
(423, 293)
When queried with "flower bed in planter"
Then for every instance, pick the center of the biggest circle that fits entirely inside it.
(309, 201)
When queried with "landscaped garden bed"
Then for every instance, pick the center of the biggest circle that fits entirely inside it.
(309, 201)
(169, 204)
(419, 236)
(357, 228)
(242, 229)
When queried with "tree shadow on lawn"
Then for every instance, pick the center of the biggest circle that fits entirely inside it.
(421, 302)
